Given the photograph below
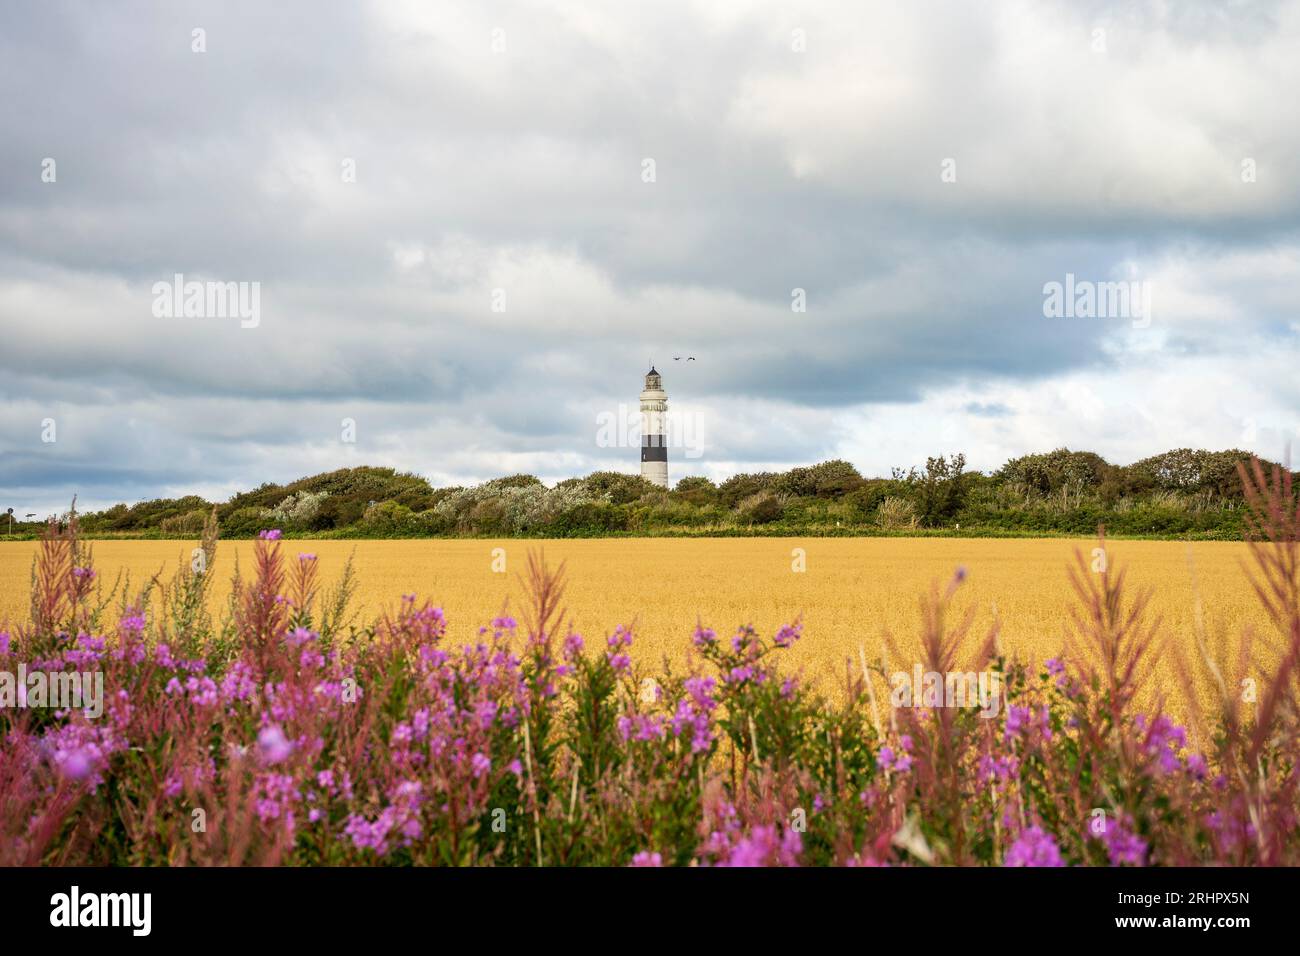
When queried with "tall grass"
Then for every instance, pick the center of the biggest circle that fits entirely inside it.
(287, 734)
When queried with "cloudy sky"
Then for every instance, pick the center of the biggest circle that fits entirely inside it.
(472, 224)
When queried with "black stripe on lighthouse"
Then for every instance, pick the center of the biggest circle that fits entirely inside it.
(654, 448)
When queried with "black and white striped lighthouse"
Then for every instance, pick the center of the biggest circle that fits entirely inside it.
(654, 441)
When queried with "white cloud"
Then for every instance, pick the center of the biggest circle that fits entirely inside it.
(521, 170)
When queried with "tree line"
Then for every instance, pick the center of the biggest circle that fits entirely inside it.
(1176, 493)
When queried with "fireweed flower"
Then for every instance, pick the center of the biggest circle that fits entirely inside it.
(764, 847)
(272, 745)
(300, 636)
(1017, 722)
(173, 786)
(81, 751)
(887, 759)
(573, 646)
(1125, 847)
(1232, 831)
(202, 691)
(787, 635)
(646, 858)
(693, 713)
(87, 652)
(702, 734)
(76, 765)
(239, 683)
(1069, 686)
(704, 636)
(365, 835)
(485, 711)
(1033, 848)
(402, 816)
(131, 646)
(701, 690)
(1122, 844)
(642, 727)
(4, 643)
(1163, 741)
(275, 794)
(310, 659)
(271, 535)
(992, 769)
(738, 675)
(432, 658)
(1045, 722)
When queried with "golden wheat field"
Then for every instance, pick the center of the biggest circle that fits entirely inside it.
(851, 591)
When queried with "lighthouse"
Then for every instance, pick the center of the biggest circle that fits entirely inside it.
(654, 444)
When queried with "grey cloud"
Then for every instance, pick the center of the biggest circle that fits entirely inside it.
(775, 171)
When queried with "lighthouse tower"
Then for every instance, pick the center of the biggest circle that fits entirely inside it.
(654, 443)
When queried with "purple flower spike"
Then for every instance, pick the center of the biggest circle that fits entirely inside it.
(272, 745)
(1034, 848)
